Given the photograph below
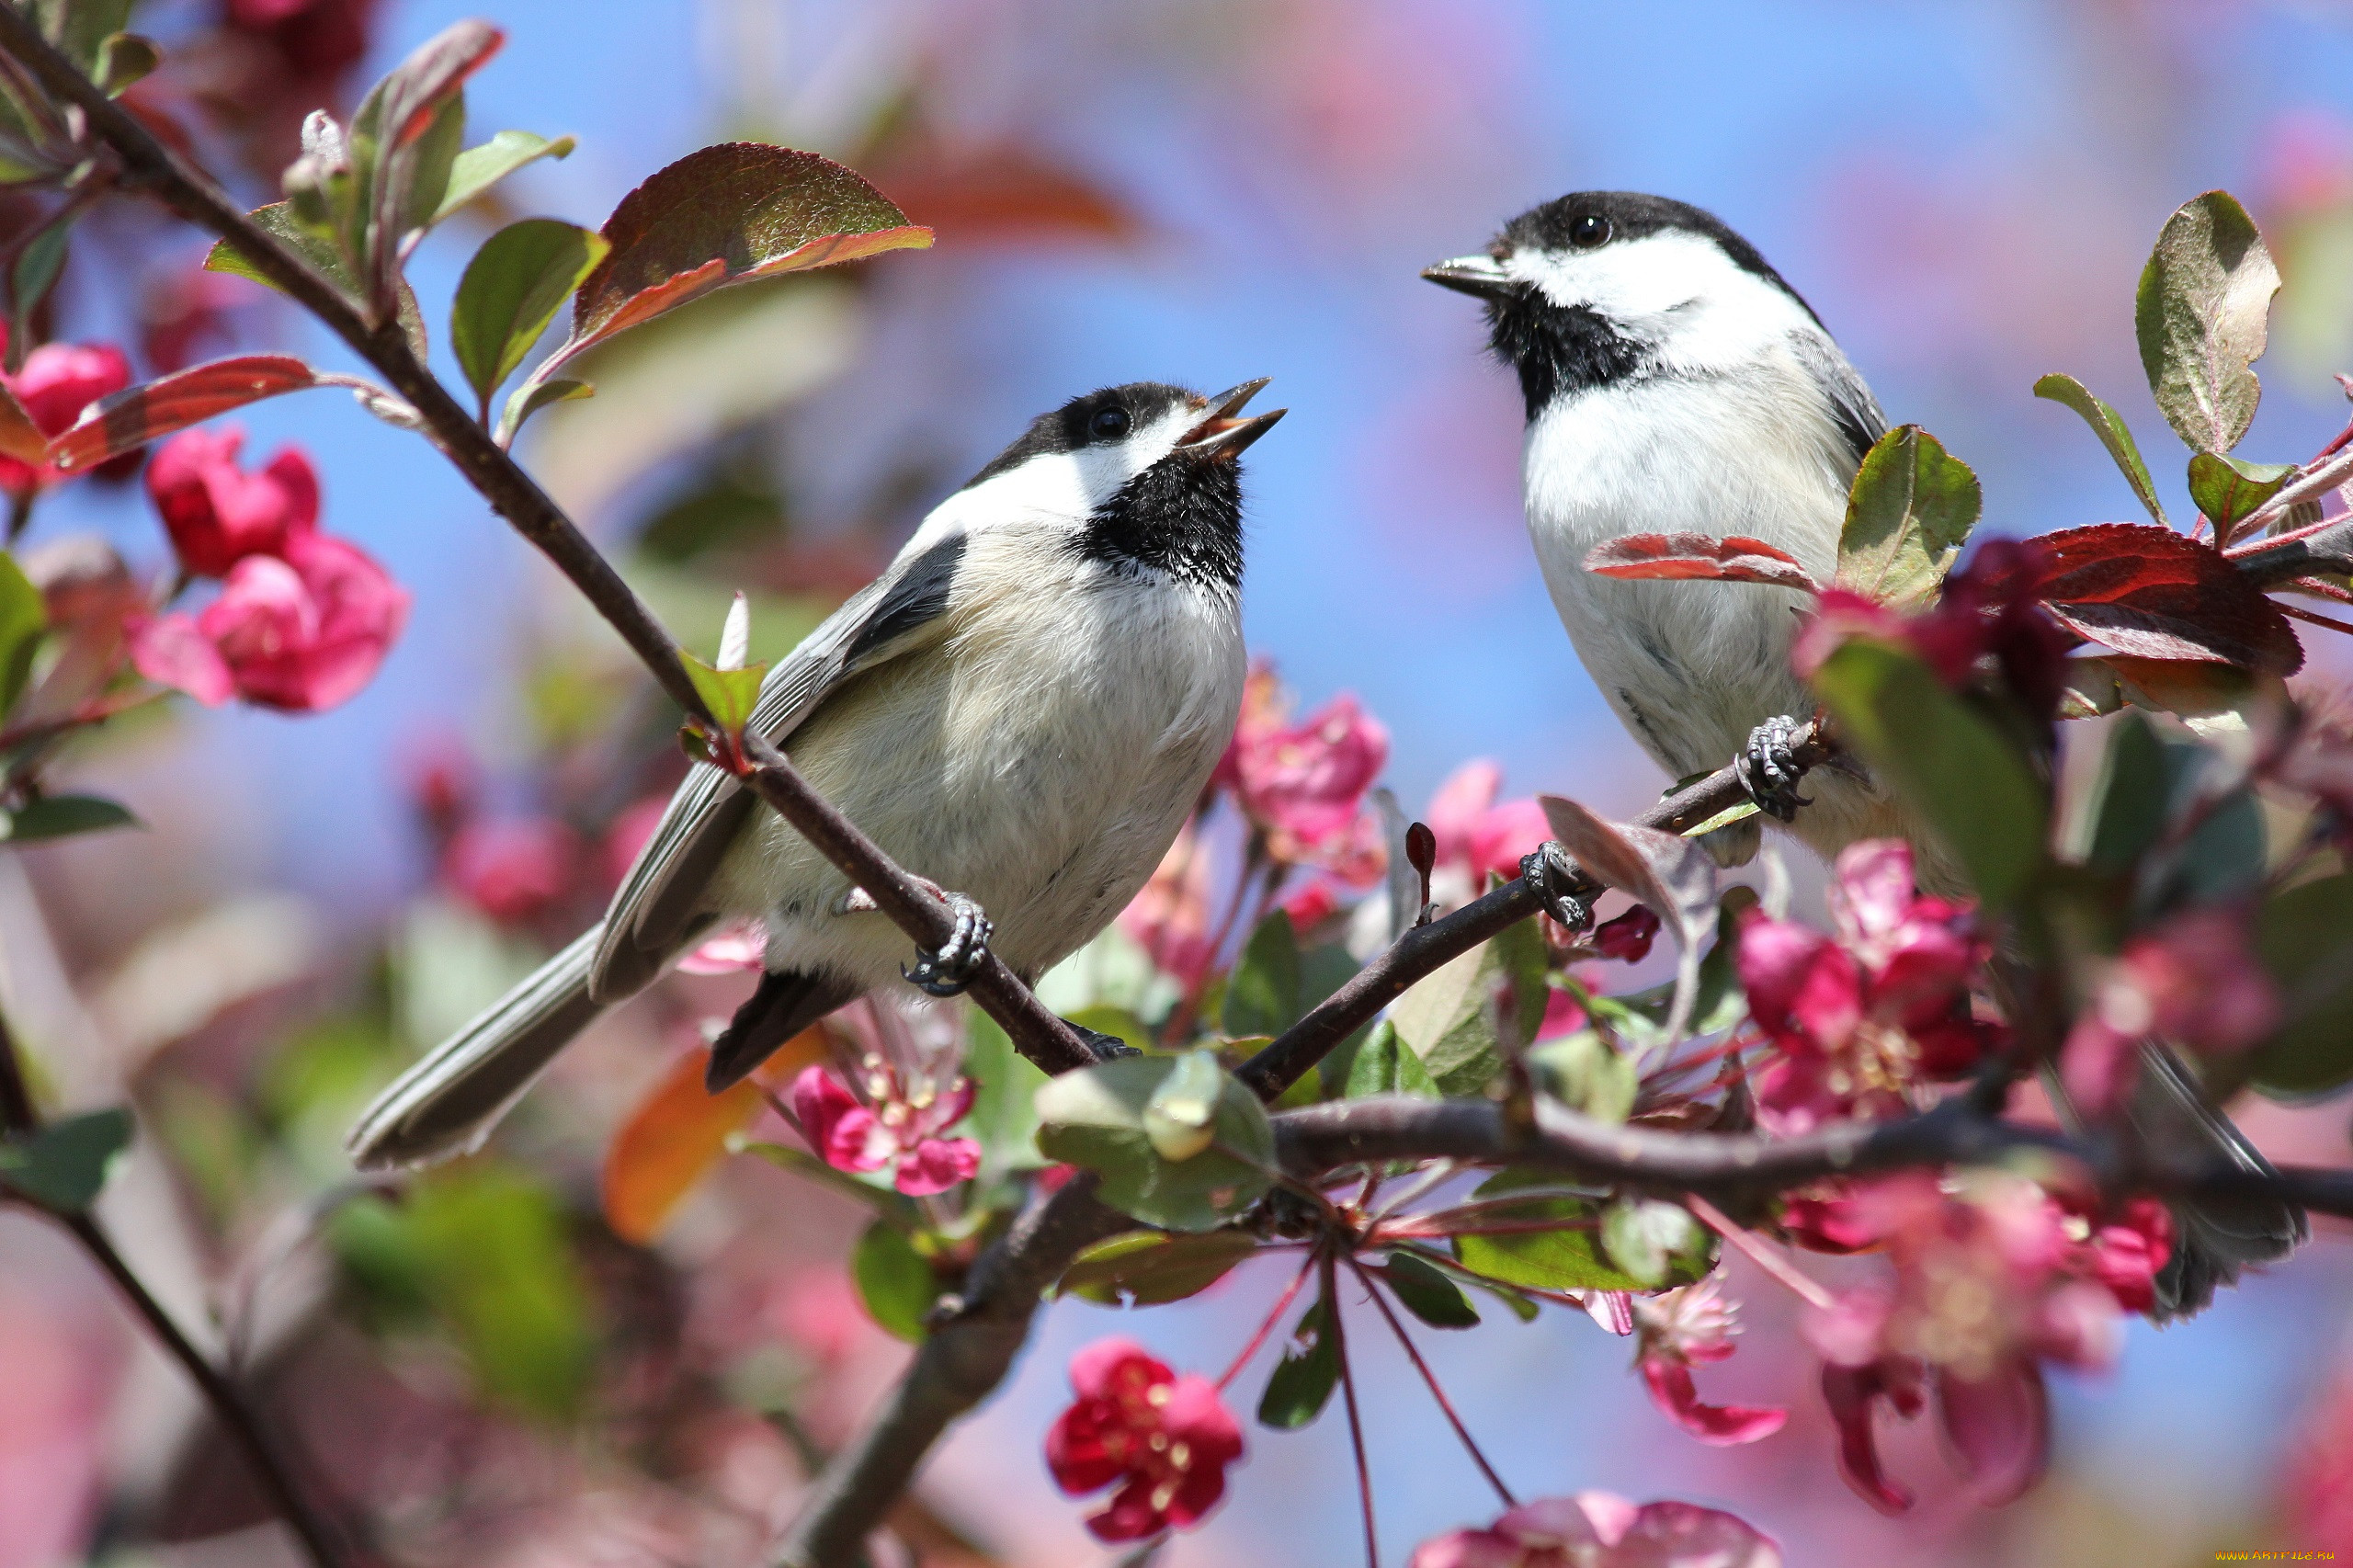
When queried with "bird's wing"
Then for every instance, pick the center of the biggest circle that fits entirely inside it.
(1851, 402)
(660, 905)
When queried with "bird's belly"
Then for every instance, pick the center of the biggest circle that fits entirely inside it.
(1039, 769)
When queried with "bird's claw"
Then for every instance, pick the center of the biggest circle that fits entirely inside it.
(1548, 870)
(945, 971)
(1769, 769)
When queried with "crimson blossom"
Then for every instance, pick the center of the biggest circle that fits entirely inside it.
(1691, 1327)
(1858, 1019)
(216, 512)
(900, 1129)
(1594, 1529)
(300, 632)
(1165, 1439)
(59, 381)
(1303, 785)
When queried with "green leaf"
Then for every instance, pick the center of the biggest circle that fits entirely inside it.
(1428, 1293)
(2304, 938)
(1150, 1268)
(1377, 1062)
(1262, 997)
(2201, 315)
(1907, 514)
(476, 169)
(38, 261)
(729, 694)
(531, 397)
(123, 59)
(64, 1165)
(1581, 1071)
(894, 1281)
(2226, 489)
(23, 618)
(1548, 1260)
(1658, 1244)
(1950, 763)
(1004, 1117)
(1180, 1119)
(1302, 1381)
(2124, 812)
(62, 816)
(1457, 1018)
(487, 1249)
(427, 166)
(80, 28)
(2114, 434)
(1094, 1118)
(511, 289)
(320, 252)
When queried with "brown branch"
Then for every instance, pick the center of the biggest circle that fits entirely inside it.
(2278, 562)
(18, 1118)
(515, 497)
(1286, 1058)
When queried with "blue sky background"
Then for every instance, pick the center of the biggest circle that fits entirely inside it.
(1965, 193)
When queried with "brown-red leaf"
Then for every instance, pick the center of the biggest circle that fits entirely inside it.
(1735, 559)
(136, 416)
(1672, 875)
(413, 94)
(2154, 593)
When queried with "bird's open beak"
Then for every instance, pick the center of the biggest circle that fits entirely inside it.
(1482, 276)
(1224, 433)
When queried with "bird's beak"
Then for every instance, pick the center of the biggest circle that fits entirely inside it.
(1482, 276)
(1224, 433)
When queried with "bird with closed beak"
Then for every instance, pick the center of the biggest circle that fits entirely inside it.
(1024, 708)
(1673, 380)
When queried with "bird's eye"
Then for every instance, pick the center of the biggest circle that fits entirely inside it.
(1588, 230)
(1109, 423)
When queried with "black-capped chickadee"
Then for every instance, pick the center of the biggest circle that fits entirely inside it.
(1674, 382)
(1024, 708)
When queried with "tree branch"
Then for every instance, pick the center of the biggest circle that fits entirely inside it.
(515, 497)
(18, 1119)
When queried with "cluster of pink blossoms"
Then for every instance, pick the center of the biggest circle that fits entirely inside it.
(1594, 1529)
(1994, 1275)
(1678, 1330)
(302, 620)
(1857, 1017)
(1303, 785)
(1162, 1439)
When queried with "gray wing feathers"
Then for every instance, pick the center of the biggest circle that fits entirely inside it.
(2216, 1238)
(447, 1103)
(660, 904)
(1851, 402)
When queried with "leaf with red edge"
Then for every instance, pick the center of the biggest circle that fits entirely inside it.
(728, 214)
(136, 416)
(1679, 556)
(406, 100)
(2154, 593)
(19, 437)
(681, 1130)
(1672, 876)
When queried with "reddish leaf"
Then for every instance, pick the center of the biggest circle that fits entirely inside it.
(681, 1130)
(19, 437)
(1672, 875)
(1687, 555)
(413, 94)
(726, 214)
(2154, 593)
(1007, 194)
(132, 418)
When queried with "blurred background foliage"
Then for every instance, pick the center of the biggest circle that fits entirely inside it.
(1198, 191)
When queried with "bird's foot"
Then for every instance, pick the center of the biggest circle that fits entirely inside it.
(1106, 1047)
(945, 971)
(1552, 874)
(1769, 769)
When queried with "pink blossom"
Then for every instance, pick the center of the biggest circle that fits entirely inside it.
(1594, 1529)
(1303, 785)
(1858, 1019)
(897, 1126)
(216, 512)
(300, 633)
(1310, 904)
(1692, 1327)
(1988, 609)
(59, 381)
(1627, 937)
(2317, 1491)
(511, 869)
(1165, 1439)
(1478, 836)
(2193, 982)
(1170, 918)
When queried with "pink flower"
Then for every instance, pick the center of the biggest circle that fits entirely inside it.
(216, 512)
(2193, 982)
(300, 633)
(1476, 836)
(2316, 1492)
(737, 947)
(1170, 918)
(1691, 1327)
(1163, 1439)
(1310, 904)
(1303, 785)
(1989, 609)
(1594, 1529)
(510, 870)
(59, 381)
(896, 1128)
(1857, 1019)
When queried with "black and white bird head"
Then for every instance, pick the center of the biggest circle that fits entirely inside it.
(1144, 476)
(1606, 286)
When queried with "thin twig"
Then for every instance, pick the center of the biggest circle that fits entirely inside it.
(1348, 1396)
(1282, 1305)
(1800, 1283)
(1429, 1379)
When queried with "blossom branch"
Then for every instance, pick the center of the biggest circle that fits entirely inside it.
(909, 903)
